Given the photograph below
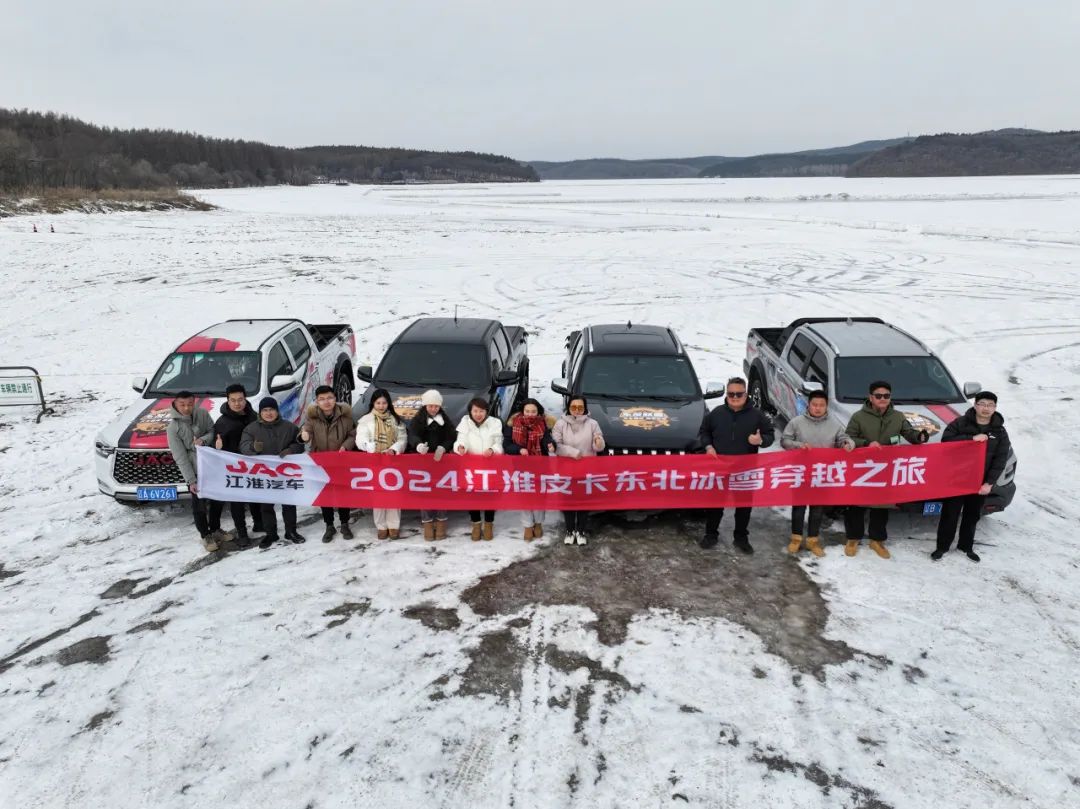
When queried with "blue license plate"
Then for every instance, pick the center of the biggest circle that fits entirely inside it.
(931, 507)
(155, 493)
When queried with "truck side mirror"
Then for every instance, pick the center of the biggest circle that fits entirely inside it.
(971, 388)
(559, 386)
(364, 374)
(138, 384)
(812, 387)
(507, 377)
(282, 382)
(715, 390)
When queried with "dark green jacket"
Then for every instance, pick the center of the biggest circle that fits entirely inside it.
(867, 425)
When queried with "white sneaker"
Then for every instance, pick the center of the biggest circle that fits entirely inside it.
(581, 538)
(570, 538)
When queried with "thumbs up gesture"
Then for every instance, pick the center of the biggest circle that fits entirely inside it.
(755, 439)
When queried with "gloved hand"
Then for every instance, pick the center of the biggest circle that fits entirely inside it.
(439, 452)
(421, 449)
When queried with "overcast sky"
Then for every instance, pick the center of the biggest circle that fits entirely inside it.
(549, 80)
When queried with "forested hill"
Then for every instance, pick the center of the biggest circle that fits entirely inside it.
(1005, 151)
(46, 150)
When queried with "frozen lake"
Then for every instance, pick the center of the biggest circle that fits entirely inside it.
(135, 670)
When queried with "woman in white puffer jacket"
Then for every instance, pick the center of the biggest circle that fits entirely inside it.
(382, 430)
(480, 434)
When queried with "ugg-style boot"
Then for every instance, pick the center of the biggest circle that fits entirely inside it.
(879, 549)
(440, 529)
(476, 532)
(429, 531)
(813, 544)
(796, 543)
(383, 533)
(851, 548)
(538, 530)
(529, 534)
(489, 530)
(394, 533)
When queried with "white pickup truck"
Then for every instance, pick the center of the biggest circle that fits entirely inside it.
(286, 359)
(841, 356)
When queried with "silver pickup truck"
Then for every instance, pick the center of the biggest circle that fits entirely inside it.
(842, 356)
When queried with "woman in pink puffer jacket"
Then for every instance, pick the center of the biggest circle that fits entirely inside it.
(577, 435)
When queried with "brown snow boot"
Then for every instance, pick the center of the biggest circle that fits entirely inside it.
(429, 531)
(440, 529)
(879, 549)
(476, 532)
(489, 530)
(538, 530)
(813, 544)
(796, 543)
(383, 533)
(394, 533)
(852, 547)
(529, 534)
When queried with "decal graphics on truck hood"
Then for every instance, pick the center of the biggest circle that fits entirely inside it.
(653, 425)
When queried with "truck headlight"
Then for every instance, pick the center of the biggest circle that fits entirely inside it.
(103, 449)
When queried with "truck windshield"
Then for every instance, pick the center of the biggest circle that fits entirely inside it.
(446, 365)
(639, 377)
(207, 373)
(913, 379)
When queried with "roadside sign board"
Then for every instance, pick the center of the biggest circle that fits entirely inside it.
(20, 386)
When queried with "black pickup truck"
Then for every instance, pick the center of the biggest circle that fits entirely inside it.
(640, 385)
(463, 358)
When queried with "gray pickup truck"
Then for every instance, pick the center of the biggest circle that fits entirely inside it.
(842, 356)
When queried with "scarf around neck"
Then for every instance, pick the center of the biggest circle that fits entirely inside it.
(385, 430)
(529, 432)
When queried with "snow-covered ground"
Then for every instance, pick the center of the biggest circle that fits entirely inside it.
(641, 671)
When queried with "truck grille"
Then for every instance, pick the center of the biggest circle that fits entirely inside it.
(146, 468)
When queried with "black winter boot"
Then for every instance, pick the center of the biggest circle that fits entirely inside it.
(328, 534)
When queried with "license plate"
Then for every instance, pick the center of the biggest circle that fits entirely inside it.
(931, 507)
(155, 493)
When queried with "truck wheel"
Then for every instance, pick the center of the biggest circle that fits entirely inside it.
(343, 385)
(758, 397)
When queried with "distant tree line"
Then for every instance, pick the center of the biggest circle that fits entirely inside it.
(46, 150)
(986, 153)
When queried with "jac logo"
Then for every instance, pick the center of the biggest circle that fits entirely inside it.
(281, 470)
(153, 459)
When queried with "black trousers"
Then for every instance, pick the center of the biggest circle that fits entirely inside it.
(575, 520)
(238, 517)
(489, 516)
(328, 515)
(813, 528)
(207, 514)
(742, 522)
(288, 515)
(855, 523)
(966, 510)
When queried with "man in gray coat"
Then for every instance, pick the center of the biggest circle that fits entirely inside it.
(192, 427)
(814, 428)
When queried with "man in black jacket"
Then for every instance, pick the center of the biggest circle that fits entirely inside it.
(271, 435)
(981, 423)
(236, 414)
(733, 428)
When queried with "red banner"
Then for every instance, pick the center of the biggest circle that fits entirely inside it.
(621, 482)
